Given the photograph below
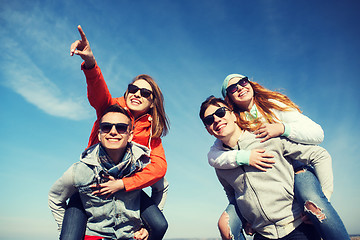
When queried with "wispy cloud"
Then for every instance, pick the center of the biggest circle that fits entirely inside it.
(25, 78)
(27, 75)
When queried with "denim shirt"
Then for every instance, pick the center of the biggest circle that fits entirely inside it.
(116, 217)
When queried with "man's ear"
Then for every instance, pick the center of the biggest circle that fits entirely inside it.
(131, 135)
(99, 136)
(208, 130)
(232, 114)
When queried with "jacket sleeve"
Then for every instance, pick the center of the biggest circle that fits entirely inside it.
(316, 156)
(153, 172)
(159, 192)
(229, 190)
(97, 91)
(62, 189)
(299, 128)
(220, 158)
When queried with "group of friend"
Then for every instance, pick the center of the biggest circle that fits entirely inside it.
(266, 155)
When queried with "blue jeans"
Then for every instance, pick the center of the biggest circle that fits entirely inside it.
(302, 232)
(308, 191)
(152, 218)
(306, 188)
(235, 222)
(75, 219)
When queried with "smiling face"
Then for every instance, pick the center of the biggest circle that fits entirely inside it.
(243, 97)
(223, 127)
(138, 104)
(114, 141)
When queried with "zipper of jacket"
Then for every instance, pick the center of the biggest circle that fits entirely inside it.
(150, 135)
(257, 197)
(252, 188)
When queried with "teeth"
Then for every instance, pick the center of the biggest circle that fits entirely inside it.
(135, 101)
(242, 94)
(113, 140)
(220, 127)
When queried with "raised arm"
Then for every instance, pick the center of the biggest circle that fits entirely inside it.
(82, 48)
(98, 92)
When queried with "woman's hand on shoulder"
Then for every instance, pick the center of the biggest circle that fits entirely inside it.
(82, 48)
(269, 130)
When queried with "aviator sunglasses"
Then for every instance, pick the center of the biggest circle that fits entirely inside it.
(234, 87)
(106, 127)
(143, 91)
(220, 112)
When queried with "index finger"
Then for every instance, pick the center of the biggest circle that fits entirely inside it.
(82, 34)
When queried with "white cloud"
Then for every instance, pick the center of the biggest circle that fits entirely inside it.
(29, 49)
(25, 78)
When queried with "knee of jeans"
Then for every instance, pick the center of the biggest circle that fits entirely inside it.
(163, 226)
(311, 208)
(224, 227)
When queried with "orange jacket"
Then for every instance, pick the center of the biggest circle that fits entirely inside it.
(100, 98)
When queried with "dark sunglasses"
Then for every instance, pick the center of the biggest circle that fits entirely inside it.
(234, 87)
(143, 91)
(220, 112)
(106, 127)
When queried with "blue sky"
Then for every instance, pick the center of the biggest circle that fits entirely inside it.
(309, 50)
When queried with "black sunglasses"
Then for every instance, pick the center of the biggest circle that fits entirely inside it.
(106, 127)
(143, 91)
(220, 112)
(234, 87)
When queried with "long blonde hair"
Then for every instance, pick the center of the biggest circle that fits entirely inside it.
(262, 97)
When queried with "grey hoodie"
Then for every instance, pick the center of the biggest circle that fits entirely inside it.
(266, 199)
(115, 217)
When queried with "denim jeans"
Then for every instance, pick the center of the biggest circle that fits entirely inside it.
(152, 218)
(74, 222)
(327, 222)
(75, 219)
(235, 222)
(307, 188)
(302, 232)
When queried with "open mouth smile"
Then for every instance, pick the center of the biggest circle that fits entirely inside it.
(135, 101)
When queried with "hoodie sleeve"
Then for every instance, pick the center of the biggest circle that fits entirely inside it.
(229, 190)
(317, 157)
(62, 189)
(298, 127)
(220, 158)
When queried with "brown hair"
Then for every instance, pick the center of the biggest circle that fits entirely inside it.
(262, 97)
(242, 123)
(116, 108)
(160, 126)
